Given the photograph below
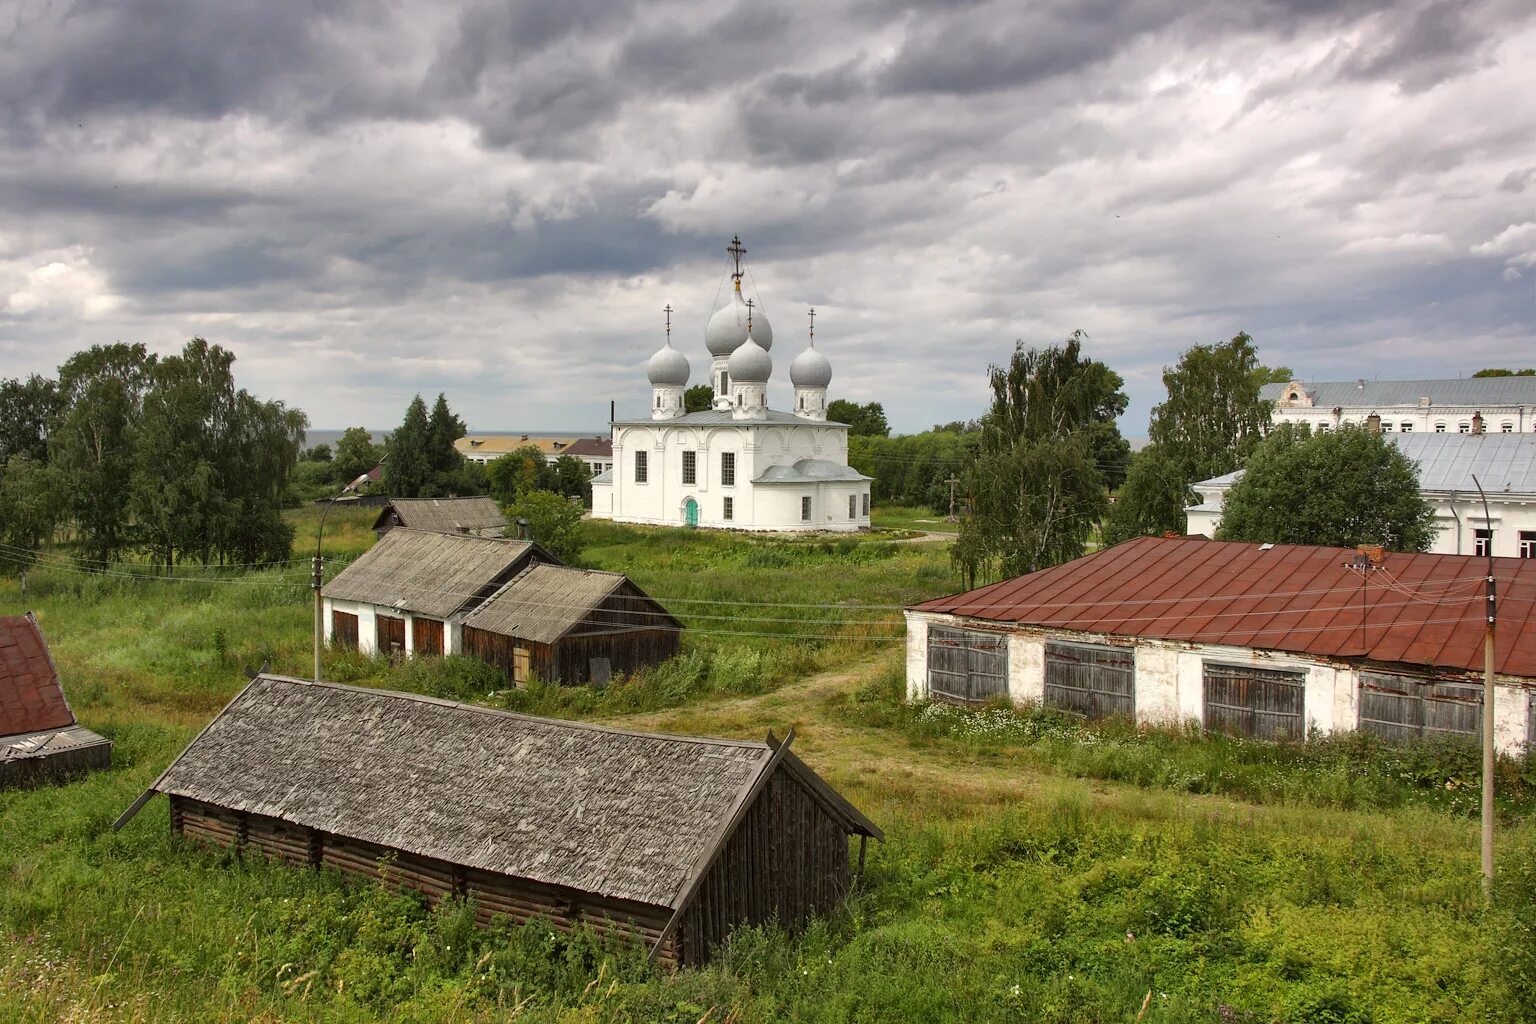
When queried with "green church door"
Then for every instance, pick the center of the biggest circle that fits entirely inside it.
(691, 512)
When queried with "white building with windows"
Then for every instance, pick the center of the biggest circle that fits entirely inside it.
(739, 465)
(1505, 464)
(1506, 405)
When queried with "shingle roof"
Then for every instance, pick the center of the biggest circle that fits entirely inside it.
(810, 471)
(427, 573)
(31, 699)
(1394, 393)
(1418, 609)
(626, 815)
(548, 601)
(448, 515)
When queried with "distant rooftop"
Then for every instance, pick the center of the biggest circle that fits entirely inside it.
(1490, 391)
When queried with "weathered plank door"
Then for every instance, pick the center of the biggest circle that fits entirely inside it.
(519, 665)
(389, 632)
(1260, 703)
(1402, 707)
(426, 636)
(1095, 680)
(966, 666)
(344, 629)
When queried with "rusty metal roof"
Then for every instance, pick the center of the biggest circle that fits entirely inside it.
(1416, 609)
(31, 699)
(591, 447)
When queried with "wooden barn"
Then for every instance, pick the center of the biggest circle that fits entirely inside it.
(410, 592)
(476, 516)
(40, 741)
(671, 840)
(570, 626)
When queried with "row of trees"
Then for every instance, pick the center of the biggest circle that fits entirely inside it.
(1038, 476)
(126, 451)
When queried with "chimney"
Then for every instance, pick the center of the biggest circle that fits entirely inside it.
(1373, 421)
(522, 529)
(1477, 423)
(1360, 384)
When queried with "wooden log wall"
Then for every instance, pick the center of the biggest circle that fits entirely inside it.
(787, 859)
(496, 896)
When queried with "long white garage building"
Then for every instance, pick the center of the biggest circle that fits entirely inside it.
(1267, 641)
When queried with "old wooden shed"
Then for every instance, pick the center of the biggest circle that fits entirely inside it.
(410, 592)
(570, 626)
(40, 741)
(672, 840)
(478, 516)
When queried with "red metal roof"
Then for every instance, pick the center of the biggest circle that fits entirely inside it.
(1417, 609)
(592, 447)
(31, 699)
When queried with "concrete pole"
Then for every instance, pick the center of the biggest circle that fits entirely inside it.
(319, 579)
(1489, 760)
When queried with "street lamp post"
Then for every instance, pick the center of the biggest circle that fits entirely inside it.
(318, 580)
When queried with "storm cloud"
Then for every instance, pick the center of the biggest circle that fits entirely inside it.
(495, 200)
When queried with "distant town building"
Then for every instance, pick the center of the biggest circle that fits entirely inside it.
(1505, 464)
(40, 741)
(740, 465)
(1507, 405)
(596, 452)
(1270, 641)
(490, 447)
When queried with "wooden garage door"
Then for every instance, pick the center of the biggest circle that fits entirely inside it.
(1413, 707)
(1091, 679)
(1260, 703)
(390, 634)
(426, 636)
(344, 629)
(966, 666)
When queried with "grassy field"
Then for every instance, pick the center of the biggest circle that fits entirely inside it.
(1034, 870)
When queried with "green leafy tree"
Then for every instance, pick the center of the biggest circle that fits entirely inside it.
(356, 454)
(443, 428)
(573, 479)
(101, 391)
(553, 520)
(1213, 417)
(1497, 372)
(913, 469)
(31, 503)
(1152, 500)
(518, 472)
(27, 407)
(867, 420)
(317, 453)
(408, 469)
(1339, 488)
(698, 398)
(1035, 486)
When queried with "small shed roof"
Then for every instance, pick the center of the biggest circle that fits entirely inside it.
(446, 515)
(1417, 609)
(622, 814)
(31, 699)
(546, 602)
(428, 573)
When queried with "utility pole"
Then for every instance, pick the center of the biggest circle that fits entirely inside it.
(1488, 704)
(953, 481)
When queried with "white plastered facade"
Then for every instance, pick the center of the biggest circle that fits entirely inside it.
(367, 626)
(1170, 680)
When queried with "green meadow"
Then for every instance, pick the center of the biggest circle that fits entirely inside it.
(1035, 869)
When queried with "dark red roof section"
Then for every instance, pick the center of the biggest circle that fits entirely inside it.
(31, 699)
(592, 447)
(1417, 609)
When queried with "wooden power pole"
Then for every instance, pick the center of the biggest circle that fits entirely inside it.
(1488, 704)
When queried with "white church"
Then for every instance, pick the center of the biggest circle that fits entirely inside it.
(740, 465)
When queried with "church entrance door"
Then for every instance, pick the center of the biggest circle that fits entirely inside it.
(691, 512)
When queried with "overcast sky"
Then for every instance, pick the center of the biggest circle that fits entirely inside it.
(495, 200)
